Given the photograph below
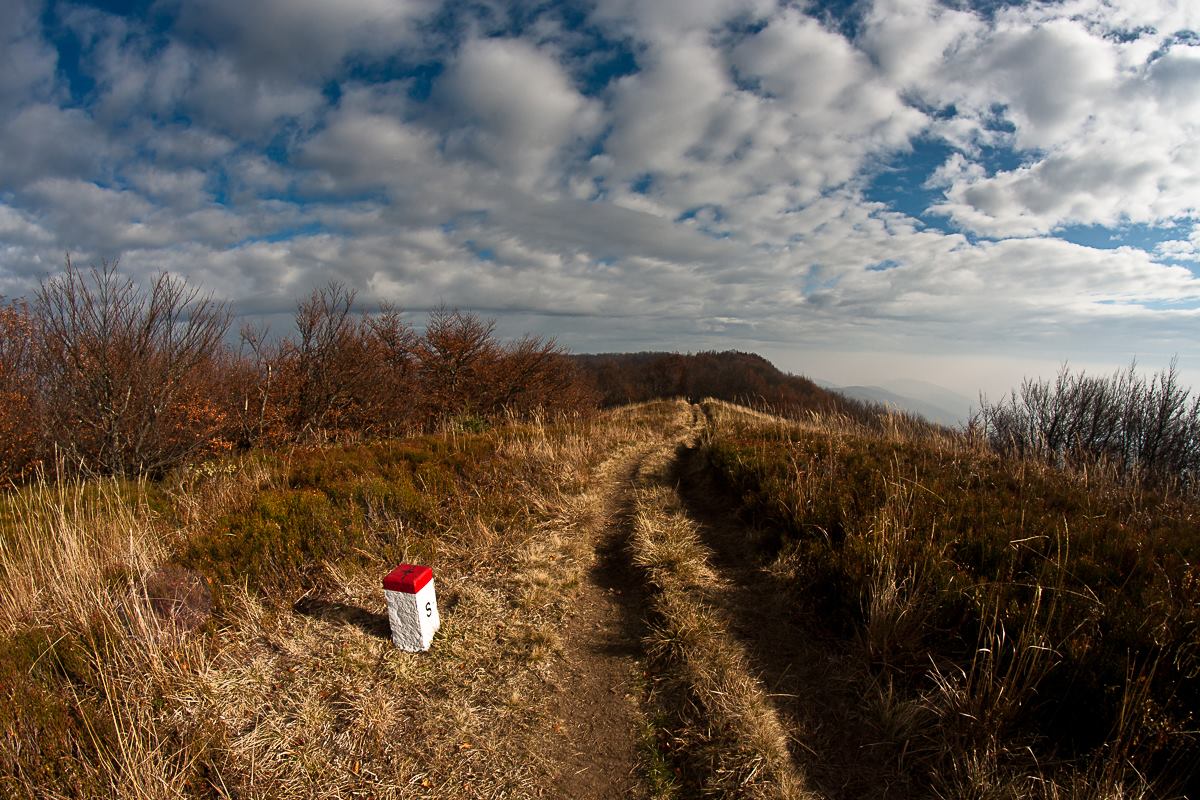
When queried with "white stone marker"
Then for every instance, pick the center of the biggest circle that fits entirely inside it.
(412, 606)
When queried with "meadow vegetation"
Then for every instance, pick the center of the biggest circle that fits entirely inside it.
(220, 632)
(1024, 630)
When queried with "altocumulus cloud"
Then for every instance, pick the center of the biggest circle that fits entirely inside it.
(907, 175)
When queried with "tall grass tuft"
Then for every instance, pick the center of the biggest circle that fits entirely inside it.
(731, 741)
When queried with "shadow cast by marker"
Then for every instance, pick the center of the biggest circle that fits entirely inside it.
(344, 614)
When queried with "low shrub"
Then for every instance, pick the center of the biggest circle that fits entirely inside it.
(338, 505)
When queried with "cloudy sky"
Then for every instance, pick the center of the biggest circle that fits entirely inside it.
(958, 191)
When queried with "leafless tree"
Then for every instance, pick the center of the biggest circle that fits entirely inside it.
(325, 368)
(393, 349)
(118, 368)
(19, 428)
(455, 362)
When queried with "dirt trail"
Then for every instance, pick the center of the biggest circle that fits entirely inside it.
(600, 682)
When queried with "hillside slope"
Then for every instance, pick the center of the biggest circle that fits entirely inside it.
(738, 377)
(666, 600)
(877, 395)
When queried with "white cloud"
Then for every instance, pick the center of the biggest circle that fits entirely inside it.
(512, 105)
(1181, 249)
(306, 38)
(17, 227)
(711, 197)
(1108, 123)
(180, 189)
(27, 62)
(669, 19)
(911, 39)
(235, 102)
(661, 112)
(43, 139)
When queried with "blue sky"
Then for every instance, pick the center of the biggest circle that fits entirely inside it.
(956, 192)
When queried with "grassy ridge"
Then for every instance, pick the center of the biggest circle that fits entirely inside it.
(1029, 629)
(1007, 629)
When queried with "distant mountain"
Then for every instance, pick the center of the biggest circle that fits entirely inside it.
(952, 416)
(738, 377)
(750, 379)
(936, 395)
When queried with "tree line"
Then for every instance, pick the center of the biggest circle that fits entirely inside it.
(102, 376)
(737, 377)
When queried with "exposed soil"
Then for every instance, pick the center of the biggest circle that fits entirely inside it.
(599, 682)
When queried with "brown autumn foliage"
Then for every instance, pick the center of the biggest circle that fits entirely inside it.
(733, 376)
(105, 377)
(18, 438)
(122, 373)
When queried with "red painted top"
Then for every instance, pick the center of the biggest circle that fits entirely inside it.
(408, 578)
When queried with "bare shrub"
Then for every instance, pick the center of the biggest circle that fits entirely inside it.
(253, 387)
(456, 362)
(1146, 428)
(326, 358)
(536, 374)
(346, 373)
(121, 370)
(106, 377)
(392, 344)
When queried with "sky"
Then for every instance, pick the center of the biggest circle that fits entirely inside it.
(961, 192)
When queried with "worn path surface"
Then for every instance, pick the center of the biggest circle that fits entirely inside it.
(600, 683)
(601, 680)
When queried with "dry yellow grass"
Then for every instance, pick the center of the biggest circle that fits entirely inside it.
(267, 702)
(104, 694)
(961, 726)
(728, 733)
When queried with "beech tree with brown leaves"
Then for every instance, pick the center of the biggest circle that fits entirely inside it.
(122, 372)
(18, 424)
(456, 363)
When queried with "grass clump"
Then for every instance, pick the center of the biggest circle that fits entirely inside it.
(1038, 626)
(724, 737)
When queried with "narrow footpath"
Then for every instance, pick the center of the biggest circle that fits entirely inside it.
(682, 645)
(600, 683)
